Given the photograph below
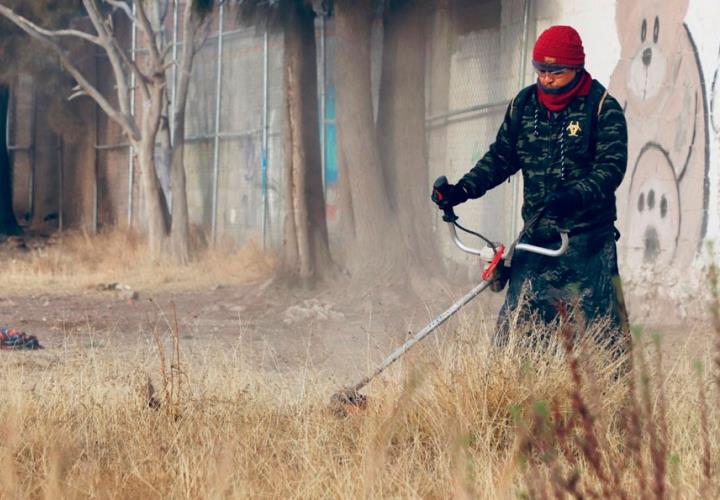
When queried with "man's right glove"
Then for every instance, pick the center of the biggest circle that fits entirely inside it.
(449, 195)
(563, 203)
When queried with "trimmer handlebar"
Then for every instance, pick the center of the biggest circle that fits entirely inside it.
(548, 252)
(487, 253)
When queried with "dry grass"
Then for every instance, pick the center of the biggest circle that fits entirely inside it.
(150, 419)
(77, 261)
(458, 422)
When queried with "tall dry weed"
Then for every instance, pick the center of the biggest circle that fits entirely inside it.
(714, 284)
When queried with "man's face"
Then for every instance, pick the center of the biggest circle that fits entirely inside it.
(555, 79)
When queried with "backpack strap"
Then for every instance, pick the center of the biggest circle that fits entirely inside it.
(517, 106)
(602, 101)
(597, 96)
(595, 101)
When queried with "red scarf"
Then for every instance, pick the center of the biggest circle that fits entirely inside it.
(559, 101)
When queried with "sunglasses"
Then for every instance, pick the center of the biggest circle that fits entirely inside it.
(554, 72)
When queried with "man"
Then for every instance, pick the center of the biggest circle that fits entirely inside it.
(569, 138)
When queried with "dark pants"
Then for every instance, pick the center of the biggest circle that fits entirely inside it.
(585, 279)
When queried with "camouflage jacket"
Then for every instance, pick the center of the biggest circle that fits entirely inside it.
(576, 148)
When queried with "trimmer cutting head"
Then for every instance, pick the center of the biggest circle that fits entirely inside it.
(347, 401)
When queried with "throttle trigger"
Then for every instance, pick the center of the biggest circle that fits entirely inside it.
(487, 273)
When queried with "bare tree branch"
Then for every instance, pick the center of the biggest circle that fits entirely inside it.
(129, 61)
(191, 26)
(121, 118)
(204, 26)
(106, 37)
(23, 23)
(167, 66)
(124, 7)
(160, 9)
(166, 52)
(67, 32)
(142, 78)
(146, 26)
(77, 91)
(156, 14)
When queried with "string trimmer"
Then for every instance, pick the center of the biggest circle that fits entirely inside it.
(498, 260)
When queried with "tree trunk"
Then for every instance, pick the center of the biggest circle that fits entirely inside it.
(306, 251)
(157, 229)
(345, 206)
(154, 199)
(163, 157)
(8, 223)
(401, 127)
(161, 163)
(375, 227)
(180, 229)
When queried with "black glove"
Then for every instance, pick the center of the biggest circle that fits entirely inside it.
(449, 195)
(563, 203)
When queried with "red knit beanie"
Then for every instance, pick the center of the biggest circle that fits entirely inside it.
(559, 46)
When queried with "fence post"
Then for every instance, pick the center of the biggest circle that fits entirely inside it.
(96, 156)
(61, 182)
(523, 65)
(32, 156)
(323, 91)
(218, 101)
(131, 163)
(264, 159)
(176, 16)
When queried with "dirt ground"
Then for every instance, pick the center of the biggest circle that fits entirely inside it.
(277, 329)
(336, 333)
(340, 331)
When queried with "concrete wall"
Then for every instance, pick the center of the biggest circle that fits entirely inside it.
(94, 156)
(480, 67)
(660, 59)
(52, 151)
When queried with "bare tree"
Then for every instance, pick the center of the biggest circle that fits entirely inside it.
(306, 253)
(401, 125)
(384, 176)
(170, 154)
(383, 180)
(141, 128)
(376, 242)
(194, 27)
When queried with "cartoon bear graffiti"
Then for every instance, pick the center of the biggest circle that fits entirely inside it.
(662, 202)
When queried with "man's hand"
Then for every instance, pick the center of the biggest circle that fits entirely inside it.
(563, 203)
(449, 195)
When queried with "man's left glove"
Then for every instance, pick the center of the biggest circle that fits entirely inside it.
(563, 203)
(450, 195)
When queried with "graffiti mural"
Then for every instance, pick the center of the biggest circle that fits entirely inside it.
(659, 81)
